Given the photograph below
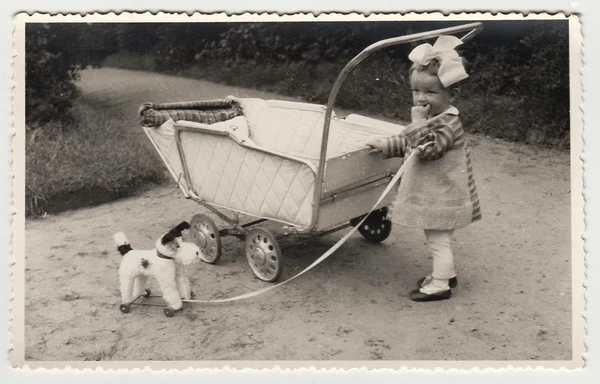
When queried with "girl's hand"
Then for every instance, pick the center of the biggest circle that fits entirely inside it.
(393, 146)
(423, 147)
(378, 145)
(427, 149)
(419, 113)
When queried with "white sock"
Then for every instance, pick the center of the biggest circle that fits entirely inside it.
(435, 286)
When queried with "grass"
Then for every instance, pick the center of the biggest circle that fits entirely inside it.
(87, 161)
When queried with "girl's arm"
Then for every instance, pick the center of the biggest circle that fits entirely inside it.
(443, 132)
(392, 146)
(443, 137)
(397, 145)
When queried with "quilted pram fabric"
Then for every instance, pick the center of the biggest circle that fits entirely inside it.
(206, 112)
(238, 177)
(296, 128)
(229, 171)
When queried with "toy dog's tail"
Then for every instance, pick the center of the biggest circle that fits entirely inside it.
(122, 243)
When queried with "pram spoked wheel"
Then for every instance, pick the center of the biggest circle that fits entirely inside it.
(376, 227)
(207, 237)
(264, 254)
(124, 308)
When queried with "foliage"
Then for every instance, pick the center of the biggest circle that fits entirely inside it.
(55, 53)
(50, 76)
(282, 44)
(523, 91)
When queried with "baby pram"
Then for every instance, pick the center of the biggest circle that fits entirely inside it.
(289, 162)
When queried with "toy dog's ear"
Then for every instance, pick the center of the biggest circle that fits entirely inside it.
(167, 238)
(175, 233)
(182, 227)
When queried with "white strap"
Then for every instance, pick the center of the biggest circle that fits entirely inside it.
(326, 254)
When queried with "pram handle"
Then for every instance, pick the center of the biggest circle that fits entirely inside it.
(473, 28)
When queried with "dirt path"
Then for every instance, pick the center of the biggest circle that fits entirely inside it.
(513, 301)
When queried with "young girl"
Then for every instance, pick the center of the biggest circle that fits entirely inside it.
(437, 191)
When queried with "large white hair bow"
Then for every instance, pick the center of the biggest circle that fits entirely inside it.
(451, 67)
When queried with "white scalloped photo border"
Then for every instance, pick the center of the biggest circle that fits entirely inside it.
(18, 224)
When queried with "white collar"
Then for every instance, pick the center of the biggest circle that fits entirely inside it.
(452, 110)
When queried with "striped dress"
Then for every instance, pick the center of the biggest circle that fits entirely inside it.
(437, 191)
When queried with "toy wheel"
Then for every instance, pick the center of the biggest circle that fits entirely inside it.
(169, 312)
(148, 293)
(376, 227)
(207, 237)
(124, 308)
(264, 254)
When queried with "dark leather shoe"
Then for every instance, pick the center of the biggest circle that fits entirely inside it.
(453, 282)
(419, 296)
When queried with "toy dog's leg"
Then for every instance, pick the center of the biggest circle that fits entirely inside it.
(127, 282)
(140, 285)
(183, 286)
(168, 286)
(183, 283)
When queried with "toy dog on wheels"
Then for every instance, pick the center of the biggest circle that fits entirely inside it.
(166, 263)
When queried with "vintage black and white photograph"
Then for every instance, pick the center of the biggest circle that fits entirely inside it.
(279, 189)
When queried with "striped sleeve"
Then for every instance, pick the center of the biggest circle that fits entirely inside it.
(396, 146)
(446, 134)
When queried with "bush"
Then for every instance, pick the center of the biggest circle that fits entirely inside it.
(521, 93)
(50, 77)
(87, 161)
(55, 53)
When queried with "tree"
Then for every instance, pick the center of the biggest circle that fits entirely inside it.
(55, 53)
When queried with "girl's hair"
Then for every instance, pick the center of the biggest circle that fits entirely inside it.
(431, 69)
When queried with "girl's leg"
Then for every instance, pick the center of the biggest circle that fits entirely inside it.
(439, 244)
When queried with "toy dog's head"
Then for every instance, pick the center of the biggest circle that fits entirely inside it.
(172, 245)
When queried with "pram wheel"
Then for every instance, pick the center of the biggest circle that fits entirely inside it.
(124, 308)
(376, 227)
(207, 237)
(264, 254)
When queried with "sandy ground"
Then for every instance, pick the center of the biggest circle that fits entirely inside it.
(513, 301)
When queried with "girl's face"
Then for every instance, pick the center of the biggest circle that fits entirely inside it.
(428, 90)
